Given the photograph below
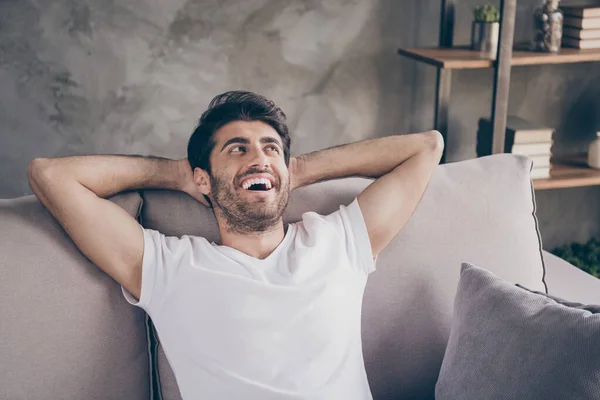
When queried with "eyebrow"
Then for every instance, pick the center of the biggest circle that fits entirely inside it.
(243, 140)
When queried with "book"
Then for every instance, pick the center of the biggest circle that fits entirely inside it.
(578, 33)
(540, 172)
(518, 131)
(526, 131)
(542, 160)
(585, 23)
(581, 43)
(532, 149)
(582, 11)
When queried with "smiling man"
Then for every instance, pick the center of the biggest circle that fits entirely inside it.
(272, 311)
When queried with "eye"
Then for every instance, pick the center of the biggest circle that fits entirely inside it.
(237, 149)
(273, 147)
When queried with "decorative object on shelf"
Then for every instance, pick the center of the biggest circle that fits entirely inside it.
(594, 152)
(584, 256)
(548, 27)
(485, 32)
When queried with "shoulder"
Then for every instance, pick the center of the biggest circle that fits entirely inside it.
(337, 221)
(344, 230)
(157, 240)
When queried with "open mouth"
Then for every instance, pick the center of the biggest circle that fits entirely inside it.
(257, 185)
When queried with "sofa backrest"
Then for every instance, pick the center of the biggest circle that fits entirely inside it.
(480, 211)
(66, 332)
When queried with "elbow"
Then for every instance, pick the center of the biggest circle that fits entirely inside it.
(435, 142)
(36, 168)
(33, 168)
(42, 179)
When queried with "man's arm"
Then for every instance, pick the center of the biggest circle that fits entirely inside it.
(402, 166)
(74, 189)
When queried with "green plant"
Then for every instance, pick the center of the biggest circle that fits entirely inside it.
(584, 256)
(486, 13)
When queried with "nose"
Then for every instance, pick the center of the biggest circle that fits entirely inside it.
(259, 159)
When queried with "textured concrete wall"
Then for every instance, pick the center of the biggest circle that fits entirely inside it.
(97, 77)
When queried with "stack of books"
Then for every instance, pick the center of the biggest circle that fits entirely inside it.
(581, 26)
(522, 137)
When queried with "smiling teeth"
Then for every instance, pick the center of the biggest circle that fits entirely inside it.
(256, 181)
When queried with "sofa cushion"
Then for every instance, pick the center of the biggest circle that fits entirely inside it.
(480, 210)
(569, 282)
(65, 332)
(510, 343)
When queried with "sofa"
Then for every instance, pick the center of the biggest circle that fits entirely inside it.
(67, 332)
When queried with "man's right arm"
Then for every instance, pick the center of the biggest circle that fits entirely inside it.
(74, 190)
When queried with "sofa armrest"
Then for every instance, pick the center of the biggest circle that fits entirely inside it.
(568, 282)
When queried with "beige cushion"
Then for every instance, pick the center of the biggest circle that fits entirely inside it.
(569, 282)
(65, 330)
(477, 211)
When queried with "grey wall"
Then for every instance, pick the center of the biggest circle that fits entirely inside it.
(97, 77)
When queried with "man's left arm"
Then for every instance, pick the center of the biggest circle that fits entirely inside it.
(402, 166)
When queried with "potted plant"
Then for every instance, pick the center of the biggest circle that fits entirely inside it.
(486, 29)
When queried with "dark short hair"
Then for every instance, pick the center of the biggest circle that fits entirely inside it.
(234, 106)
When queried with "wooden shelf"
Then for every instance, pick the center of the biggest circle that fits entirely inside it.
(464, 58)
(569, 175)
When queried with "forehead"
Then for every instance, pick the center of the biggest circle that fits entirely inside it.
(249, 129)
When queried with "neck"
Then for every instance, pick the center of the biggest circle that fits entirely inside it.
(255, 244)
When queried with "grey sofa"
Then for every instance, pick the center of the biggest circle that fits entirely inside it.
(66, 332)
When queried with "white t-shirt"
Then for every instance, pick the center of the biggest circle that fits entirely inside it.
(282, 328)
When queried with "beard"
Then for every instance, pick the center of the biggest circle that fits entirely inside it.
(243, 215)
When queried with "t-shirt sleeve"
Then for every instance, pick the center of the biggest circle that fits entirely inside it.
(159, 267)
(350, 223)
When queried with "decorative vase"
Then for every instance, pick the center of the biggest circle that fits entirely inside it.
(548, 27)
(485, 36)
(594, 152)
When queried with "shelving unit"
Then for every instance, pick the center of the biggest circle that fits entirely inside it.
(464, 58)
(568, 175)
(447, 57)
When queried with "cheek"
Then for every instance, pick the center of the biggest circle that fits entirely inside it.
(284, 177)
(222, 179)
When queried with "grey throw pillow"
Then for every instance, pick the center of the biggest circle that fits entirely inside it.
(507, 342)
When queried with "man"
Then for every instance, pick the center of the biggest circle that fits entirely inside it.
(272, 311)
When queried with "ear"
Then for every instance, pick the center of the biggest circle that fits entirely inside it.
(202, 180)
